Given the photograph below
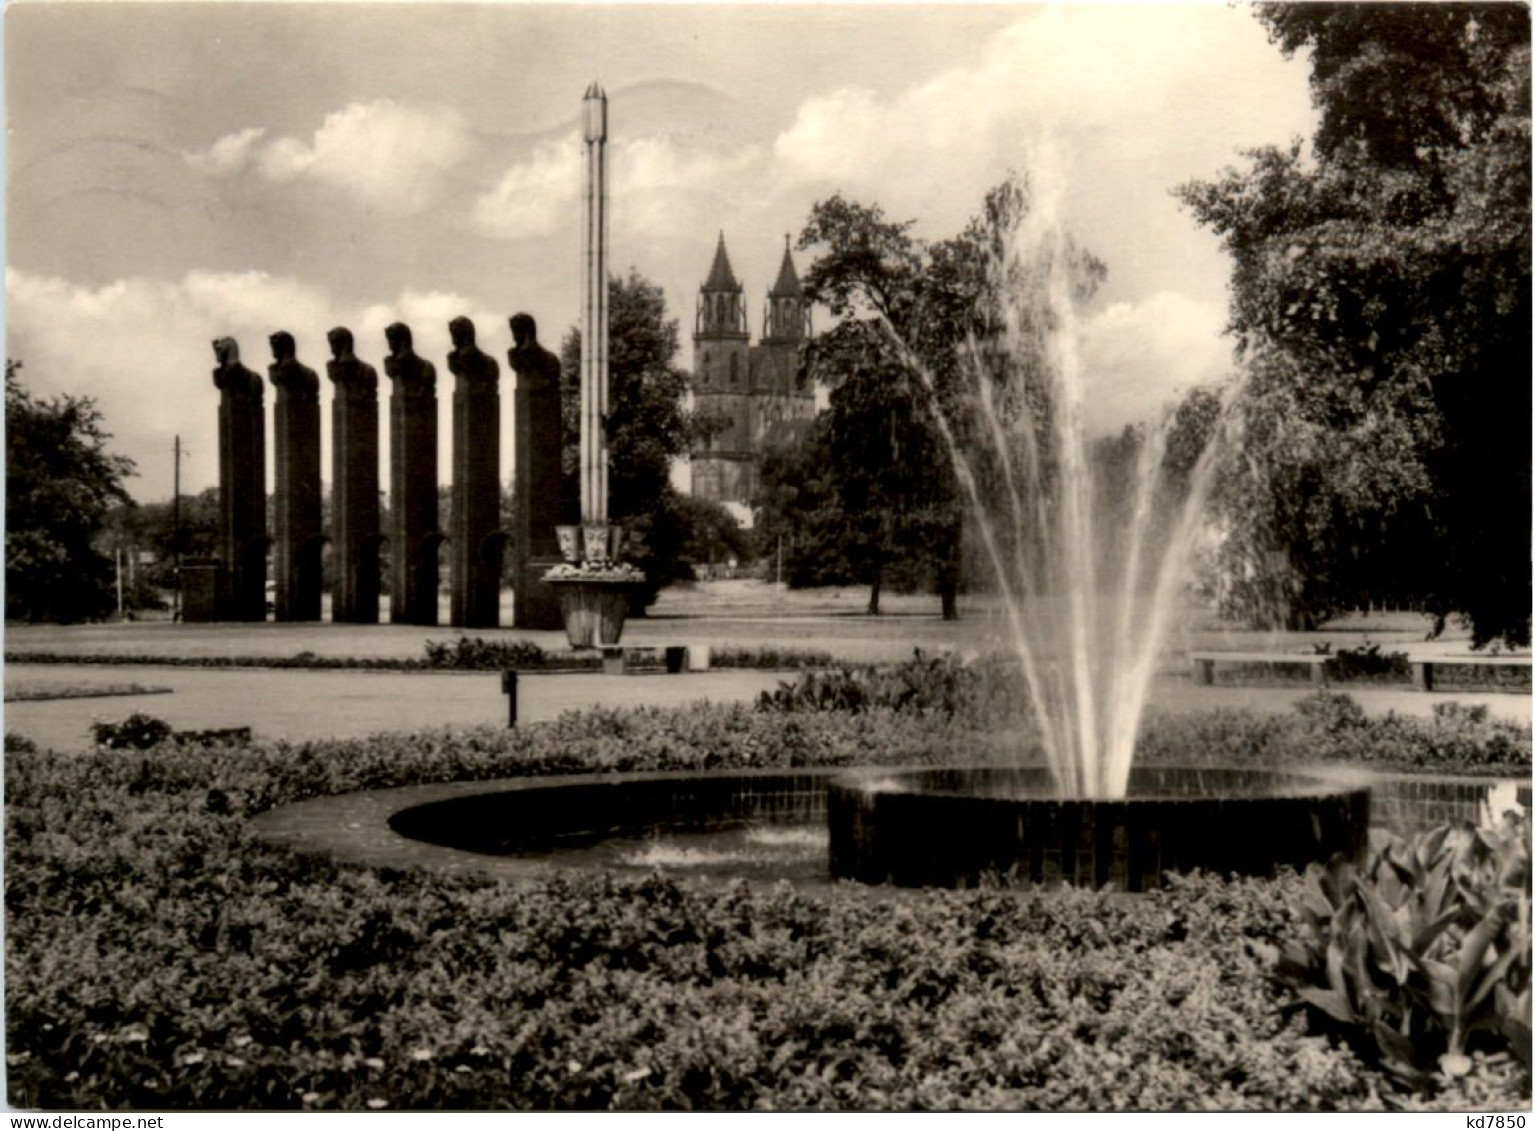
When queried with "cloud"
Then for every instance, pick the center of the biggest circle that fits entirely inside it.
(1124, 92)
(655, 182)
(537, 195)
(230, 154)
(388, 156)
(143, 349)
(1138, 358)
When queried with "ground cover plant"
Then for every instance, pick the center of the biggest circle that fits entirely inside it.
(159, 956)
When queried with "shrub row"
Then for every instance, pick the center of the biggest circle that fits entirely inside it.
(465, 653)
(160, 957)
(1328, 726)
(1331, 727)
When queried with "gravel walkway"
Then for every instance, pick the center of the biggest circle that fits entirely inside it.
(322, 704)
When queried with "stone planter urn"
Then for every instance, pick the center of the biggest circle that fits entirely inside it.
(593, 609)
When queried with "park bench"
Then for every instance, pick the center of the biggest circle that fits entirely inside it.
(1423, 669)
(1204, 662)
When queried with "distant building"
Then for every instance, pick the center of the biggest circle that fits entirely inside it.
(764, 389)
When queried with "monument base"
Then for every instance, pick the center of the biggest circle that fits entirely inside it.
(200, 591)
(537, 604)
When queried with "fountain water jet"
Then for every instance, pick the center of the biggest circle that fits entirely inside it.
(1088, 597)
(1023, 462)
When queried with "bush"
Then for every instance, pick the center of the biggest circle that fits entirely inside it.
(1329, 726)
(770, 658)
(137, 732)
(19, 744)
(473, 653)
(1367, 662)
(944, 684)
(1424, 956)
(143, 732)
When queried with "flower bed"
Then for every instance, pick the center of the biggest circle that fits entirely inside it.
(160, 957)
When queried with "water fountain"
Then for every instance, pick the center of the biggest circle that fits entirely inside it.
(1087, 603)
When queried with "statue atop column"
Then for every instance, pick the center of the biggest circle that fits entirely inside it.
(532, 362)
(538, 487)
(413, 523)
(355, 533)
(232, 378)
(240, 593)
(298, 551)
(476, 535)
(476, 369)
(414, 375)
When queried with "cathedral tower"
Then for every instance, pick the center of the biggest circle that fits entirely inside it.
(763, 389)
(721, 383)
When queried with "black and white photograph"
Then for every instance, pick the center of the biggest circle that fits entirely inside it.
(766, 558)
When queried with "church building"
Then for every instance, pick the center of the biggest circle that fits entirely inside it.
(764, 389)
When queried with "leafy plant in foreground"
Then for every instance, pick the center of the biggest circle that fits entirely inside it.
(1426, 951)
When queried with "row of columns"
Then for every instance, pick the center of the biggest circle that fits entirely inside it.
(477, 540)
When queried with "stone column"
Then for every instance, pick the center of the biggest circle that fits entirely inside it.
(241, 588)
(296, 441)
(414, 535)
(354, 484)
(537, 483)
(476, 535)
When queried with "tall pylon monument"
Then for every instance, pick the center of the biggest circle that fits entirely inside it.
(594, 307)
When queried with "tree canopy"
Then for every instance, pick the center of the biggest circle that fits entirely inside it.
(911, 316)
(1380, 300)
(61, 481)
(648, 426)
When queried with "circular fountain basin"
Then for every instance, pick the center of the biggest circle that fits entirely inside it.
(951, 827)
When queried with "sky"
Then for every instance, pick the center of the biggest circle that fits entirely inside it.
(177, 173)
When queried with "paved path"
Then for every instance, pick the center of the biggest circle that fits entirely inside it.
(325, 704)
(321, 704)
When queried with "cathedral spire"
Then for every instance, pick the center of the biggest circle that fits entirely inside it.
(721, 277)
(787, 317)
(787, 285)
(721, 299)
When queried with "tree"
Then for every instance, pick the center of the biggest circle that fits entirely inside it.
(60, 484)
(797, 511)
(710, 532)
(914, 320)
(647, 426)
(1381, 303)
(151, 527)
